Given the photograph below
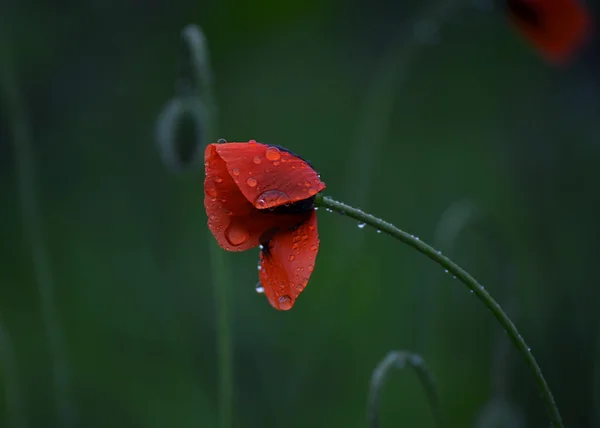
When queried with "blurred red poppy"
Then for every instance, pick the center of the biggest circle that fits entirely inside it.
(557, 28)
(257, 194)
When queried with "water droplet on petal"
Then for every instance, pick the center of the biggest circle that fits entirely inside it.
(251, 182)
(361, 225)
(292, 258)
(313, 248)
(271, 198)
(218, 179)
(235, 171)
(276, 163)
(211, 191)
(256, 160)
(378, 231)
(236, 234)
(285, 302)
(273, 153)
(253, 142)
(259, 288)
(307, 183)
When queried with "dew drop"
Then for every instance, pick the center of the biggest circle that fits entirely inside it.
(235, 171)
(285, 302)
(218, 179)
(256, 160)
(212, 216)
(211, 191)
(361, 225)
(292, 258)
(251, 182)
(307, 183)
(446, 271)
(236, 234)
(313, 248)
(378, 231)
(271, 198)
(311, 268)
(252, 142)
(259, 288)
(276, 163)
(273, 153)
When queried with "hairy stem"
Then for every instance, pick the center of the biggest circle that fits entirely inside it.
(465, 278)
(399, 360)
(196, 67)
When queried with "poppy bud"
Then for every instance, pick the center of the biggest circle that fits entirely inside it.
(181, 133)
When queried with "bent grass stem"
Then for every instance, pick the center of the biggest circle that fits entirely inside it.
(199, 71)
(466, 279)
(400, 360)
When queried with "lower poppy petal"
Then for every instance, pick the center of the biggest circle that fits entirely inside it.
(240, 233)
(287, 262)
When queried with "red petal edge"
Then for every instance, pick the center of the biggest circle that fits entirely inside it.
(267, 176)
(287, 265)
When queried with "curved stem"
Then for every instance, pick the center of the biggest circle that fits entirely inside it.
(465, 278)
(399, 360)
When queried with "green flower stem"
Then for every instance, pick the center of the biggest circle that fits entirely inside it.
(25, 169)
(221, 282)
(196, 66)
(468, 280)
(400, 360)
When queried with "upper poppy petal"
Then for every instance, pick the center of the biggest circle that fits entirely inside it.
(269, 176)
(556, 27)
(232, 219)
(288, 261)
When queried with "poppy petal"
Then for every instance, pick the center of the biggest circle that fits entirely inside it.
(235, 223)
(269, 176)
(287, 262)
(555, 27)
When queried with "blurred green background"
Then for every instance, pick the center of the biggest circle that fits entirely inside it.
(437, 117)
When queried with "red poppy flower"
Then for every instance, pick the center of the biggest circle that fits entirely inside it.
(555, 27)
(256, 194)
